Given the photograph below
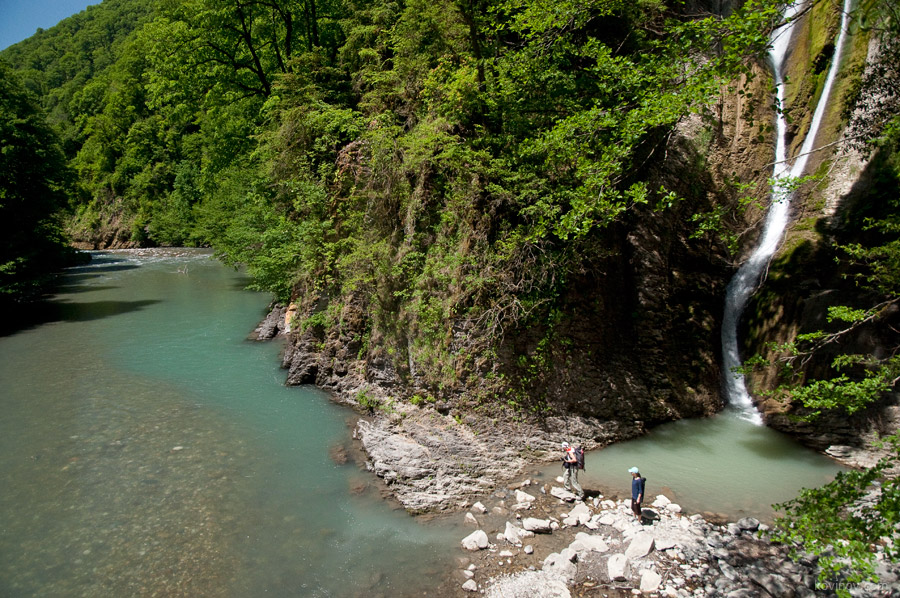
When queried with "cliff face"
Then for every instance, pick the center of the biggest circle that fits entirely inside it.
(633, 340)
(804, 278)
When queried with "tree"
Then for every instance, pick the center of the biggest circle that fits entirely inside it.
(35, 185)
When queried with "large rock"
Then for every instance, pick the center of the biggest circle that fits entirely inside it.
(580, 514)
(512, 534)
(664, 543)
(524, 497)
(561, 564)
(650, 580)
(619, 567)
(477, 540)
(273, 325)
(748, 524)
(640, 546)
(661, 502)
(538, 526)
(608, 519)
(562, 494)
(591, 542)
(414, 459)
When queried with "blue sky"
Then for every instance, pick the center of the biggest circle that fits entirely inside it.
(20, 19)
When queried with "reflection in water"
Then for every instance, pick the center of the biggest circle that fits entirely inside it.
(147, 449)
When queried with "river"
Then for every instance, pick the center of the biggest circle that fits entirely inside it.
(148, 449)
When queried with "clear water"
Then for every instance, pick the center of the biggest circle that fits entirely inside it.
(723, 465)
(147, 448)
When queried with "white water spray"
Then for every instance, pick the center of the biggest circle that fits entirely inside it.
(748, 276)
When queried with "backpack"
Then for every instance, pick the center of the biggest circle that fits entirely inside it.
(579, 456)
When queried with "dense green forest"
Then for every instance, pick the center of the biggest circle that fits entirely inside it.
(432, 159)
(35, 184)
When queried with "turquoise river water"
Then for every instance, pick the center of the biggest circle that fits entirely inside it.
(723, 465)
(148, 449)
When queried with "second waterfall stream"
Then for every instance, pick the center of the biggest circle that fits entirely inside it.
(749, 275)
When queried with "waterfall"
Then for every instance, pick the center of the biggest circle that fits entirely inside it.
(745, 281)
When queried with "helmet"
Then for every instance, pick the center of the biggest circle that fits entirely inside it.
(565, 445)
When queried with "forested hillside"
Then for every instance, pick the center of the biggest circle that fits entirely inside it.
(444, 167)
(465, 198)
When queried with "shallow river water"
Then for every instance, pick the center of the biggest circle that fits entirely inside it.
(148, 449)
(724, 465)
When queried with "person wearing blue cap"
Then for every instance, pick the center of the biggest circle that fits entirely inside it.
(637, 492)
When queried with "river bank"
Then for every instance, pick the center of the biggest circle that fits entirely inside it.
(539, 541)
(433, 461)
(433, 454)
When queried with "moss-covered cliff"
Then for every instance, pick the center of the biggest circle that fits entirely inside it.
(854, 184)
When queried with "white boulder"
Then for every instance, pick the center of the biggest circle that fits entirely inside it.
(477, 540)
(562, 494)
(640, 546)
(650, 581)
(619, 567)
(533, 524)
(511, 534)
(524, 497)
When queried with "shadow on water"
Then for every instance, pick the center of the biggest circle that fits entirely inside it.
(33, 315)
(71, 289)
(94, 270)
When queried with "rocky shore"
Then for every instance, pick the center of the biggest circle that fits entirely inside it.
(538, 541)
(534, 541)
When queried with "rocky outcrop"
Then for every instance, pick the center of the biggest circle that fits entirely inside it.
(433, 462)
(273, 325)
(666, 554)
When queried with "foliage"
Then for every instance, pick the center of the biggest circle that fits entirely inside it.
(448, 164)
(843, 522)
(34, 188)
